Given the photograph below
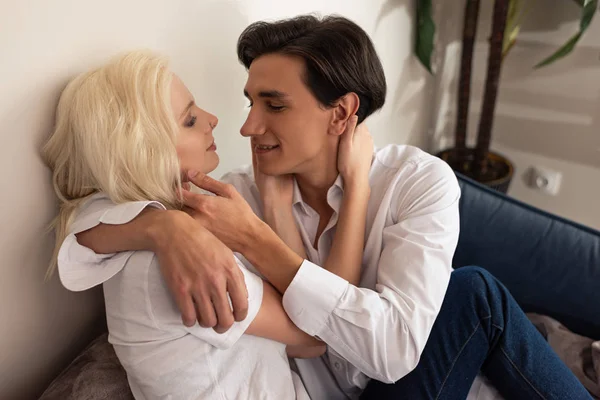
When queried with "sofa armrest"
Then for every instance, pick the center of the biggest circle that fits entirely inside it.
(550, 265)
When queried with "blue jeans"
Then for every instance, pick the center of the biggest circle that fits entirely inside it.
(480, 327)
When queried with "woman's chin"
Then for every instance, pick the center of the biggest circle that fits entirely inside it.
(211, 162)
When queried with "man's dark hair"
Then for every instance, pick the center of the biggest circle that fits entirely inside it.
(339, 56)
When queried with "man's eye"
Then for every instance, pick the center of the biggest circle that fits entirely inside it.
(276, 108)
(249, 105)
(191, 122)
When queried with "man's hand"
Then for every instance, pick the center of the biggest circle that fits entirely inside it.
(227, 215)
(200, 271)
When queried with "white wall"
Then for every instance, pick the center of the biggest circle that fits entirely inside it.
(579, 193)
(548, 117)
(45, 43)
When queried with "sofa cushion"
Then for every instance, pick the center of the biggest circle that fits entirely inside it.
(550, 265)
(95, 374)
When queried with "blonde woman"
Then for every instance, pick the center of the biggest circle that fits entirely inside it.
(127, 136)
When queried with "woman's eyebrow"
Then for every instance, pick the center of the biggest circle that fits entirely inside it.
(190, 104)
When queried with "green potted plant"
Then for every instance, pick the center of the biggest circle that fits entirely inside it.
(479, 162)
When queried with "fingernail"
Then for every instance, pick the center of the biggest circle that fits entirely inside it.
(192, 174)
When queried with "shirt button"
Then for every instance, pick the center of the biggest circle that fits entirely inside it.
(337, 365)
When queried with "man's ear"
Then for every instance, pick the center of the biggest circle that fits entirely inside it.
(345, 107)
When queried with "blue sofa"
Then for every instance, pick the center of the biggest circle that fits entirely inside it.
(550, 265)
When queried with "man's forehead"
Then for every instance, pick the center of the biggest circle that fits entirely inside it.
(274, 73)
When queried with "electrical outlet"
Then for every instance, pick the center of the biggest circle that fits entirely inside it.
(544, 180)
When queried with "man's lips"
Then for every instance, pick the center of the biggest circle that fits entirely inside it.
(265, 146)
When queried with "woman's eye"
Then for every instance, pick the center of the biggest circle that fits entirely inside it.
(191, 122)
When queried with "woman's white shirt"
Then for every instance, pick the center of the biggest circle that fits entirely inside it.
(163, 358)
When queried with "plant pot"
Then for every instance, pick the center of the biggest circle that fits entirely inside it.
(499, 172)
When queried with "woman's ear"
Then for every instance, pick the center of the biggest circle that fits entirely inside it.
(345, 107)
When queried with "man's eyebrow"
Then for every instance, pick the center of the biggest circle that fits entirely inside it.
(271, 94)
(190, 104)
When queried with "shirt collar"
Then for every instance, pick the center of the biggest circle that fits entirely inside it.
(334, 195)
(297, 198)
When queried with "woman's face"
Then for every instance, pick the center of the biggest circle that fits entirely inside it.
(196, 147)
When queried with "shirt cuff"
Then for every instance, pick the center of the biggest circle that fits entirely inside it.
(312, 296)
(79, 267)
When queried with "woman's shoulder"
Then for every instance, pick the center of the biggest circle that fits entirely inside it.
(79, 267)
(100, 208)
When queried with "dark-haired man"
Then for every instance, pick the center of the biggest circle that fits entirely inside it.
(411, 328)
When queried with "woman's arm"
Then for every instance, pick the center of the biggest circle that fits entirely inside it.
(273, 323)
(355, 153)
(276, 197)
(154, 228)
(281, 219)
(354, 162)
(345, 256)
(191, 259)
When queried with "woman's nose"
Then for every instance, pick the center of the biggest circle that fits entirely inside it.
(213, 121)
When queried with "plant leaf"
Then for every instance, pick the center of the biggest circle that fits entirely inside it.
(425, 33)
(587, 14)
(513, 26)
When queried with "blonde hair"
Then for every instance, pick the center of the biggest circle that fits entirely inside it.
(114, 133)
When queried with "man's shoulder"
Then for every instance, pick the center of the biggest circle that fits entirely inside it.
(397, 157)
(414, 176)
(403, 163)
(240, 177)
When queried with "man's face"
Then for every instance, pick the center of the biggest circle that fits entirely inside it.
(287, 125)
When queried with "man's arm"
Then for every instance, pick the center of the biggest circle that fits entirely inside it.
(140, 234)
(384, 331)
(273, 323)
(345, 257)
(229, 217)
(193, 261)
(271, 256)
(266, 316)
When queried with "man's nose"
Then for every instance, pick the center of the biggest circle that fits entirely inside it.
(253, 126)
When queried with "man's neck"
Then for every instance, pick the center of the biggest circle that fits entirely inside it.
(315, 183)
(314, 188)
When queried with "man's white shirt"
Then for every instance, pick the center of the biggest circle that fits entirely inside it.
(379, 328)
